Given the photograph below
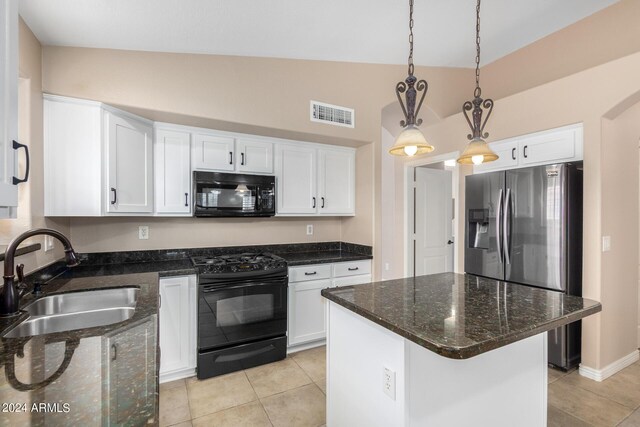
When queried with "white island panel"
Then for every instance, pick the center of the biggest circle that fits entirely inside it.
(503, 387)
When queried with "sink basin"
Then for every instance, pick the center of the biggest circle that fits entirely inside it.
(76, 310)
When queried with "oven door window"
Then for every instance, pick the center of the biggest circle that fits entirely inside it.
(241, 313)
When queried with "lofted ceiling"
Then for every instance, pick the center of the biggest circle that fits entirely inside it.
(370, 31)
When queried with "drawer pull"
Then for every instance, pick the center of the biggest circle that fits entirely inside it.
(353, 268)
(310, 274)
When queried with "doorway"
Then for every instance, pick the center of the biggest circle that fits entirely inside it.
(432, 202)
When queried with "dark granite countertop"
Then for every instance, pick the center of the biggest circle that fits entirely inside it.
(460, 316)
(93, 376)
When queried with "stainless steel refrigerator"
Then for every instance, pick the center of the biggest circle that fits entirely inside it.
(525, 226)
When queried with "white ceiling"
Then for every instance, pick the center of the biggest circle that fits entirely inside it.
(373, 31)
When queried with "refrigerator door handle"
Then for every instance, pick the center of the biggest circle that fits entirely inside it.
(505, 228)
(499, 225)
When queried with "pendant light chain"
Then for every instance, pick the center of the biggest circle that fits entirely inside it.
(478, 91)
(411, 37)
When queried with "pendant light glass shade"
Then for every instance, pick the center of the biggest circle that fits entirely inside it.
(477, 152)
(410, 142)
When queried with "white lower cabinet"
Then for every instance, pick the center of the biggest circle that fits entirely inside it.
(306, 315)
(178, 327)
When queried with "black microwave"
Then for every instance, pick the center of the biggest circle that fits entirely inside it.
(232, 195)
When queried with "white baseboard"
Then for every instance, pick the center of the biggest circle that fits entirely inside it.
(305, 346)
(609, 370)
(165, 377)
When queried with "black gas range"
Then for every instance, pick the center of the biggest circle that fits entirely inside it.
(242, 311)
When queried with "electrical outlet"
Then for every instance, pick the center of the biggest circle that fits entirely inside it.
(143, 232)
(309, 229)
(389, 383)
(48, 243)
(606, 243)
(386, 266)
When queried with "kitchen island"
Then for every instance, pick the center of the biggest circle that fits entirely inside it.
(445, 349)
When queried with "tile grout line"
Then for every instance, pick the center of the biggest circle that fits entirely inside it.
(570, 414)
(258, 397)
(607, 398)
(601, 397)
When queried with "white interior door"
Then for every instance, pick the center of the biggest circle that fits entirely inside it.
(433, 221)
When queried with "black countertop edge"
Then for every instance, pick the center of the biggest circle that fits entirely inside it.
(102, 258)
(307, 258)
(24, 250)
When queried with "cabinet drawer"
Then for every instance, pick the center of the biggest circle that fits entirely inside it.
(309, 272)
(352, 280)
(352, 268)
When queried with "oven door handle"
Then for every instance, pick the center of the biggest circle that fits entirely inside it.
(216, 288)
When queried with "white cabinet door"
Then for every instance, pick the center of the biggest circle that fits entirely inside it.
(73, 180)
(336, 181)
(178, 327)
(508, 154)
(172, 169)
(306, 311)
(130, 160)
(554, 146)
(213, 152)
(254, 156)
(8, 105)
(296, 182)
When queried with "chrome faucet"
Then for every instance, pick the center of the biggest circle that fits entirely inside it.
(10, 297)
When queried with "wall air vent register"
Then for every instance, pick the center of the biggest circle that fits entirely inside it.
(332, 114)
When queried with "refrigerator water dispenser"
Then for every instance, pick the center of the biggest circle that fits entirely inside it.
(479, 228)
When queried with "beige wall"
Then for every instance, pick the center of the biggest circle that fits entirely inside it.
(620, 136)
(31, 195)
(610, 178)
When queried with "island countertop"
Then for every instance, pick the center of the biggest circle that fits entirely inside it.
(460, 316)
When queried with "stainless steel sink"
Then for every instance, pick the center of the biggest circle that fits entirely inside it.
(76, 310)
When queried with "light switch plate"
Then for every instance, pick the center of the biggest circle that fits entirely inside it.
(606, 243)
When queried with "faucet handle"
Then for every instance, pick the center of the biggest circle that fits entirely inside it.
(20, 272)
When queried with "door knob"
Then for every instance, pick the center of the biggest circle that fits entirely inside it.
(450, 242)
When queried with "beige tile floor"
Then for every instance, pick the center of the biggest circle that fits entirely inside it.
(292, 393)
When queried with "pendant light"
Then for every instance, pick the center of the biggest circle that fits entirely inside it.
(477, 151)
(411, 141)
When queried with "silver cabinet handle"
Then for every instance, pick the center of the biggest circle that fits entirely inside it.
(505, 230)
(499, 224)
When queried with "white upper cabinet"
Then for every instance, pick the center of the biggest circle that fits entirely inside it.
(223, 153)
(557, 145)
(213, 152)
(8, 107)
(336, 181)
(72, 157)
(296, 182)
(314, 180)
(130, 170)
(97, 159)
(254, 156)
(172, 167)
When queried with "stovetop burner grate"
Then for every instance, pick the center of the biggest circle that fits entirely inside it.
(237, 263)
